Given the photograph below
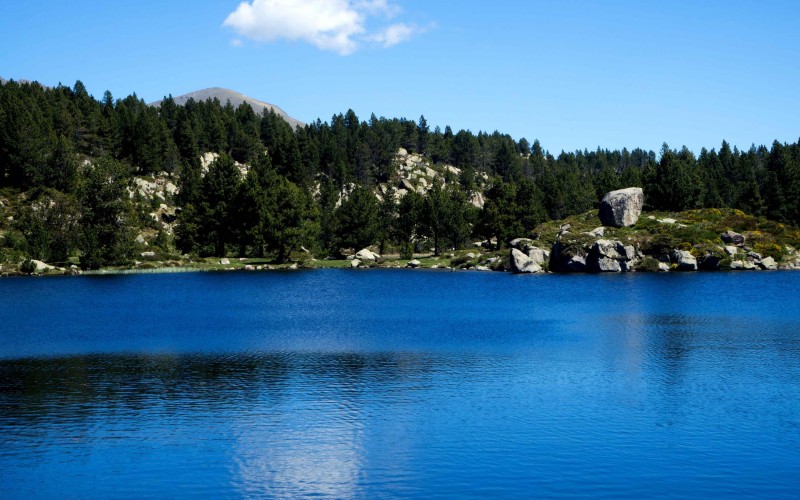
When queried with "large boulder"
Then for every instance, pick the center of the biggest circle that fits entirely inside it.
(684, 260)
(743, 265)
(526, 246)
(607, 265)
(539, 255)
(520, 243)
(732, 238)
(521, 263)
(621, 208)
(366, 254)
(611, 256)
(768, 263)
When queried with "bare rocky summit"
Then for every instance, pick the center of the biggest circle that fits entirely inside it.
(235, 98)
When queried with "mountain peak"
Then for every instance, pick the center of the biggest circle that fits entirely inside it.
(236, 99)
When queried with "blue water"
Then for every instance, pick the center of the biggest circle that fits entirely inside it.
(380, 384)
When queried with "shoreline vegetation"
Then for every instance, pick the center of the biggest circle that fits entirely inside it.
(696, 240)
(117, 185)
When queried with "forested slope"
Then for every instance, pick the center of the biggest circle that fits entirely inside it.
(72, 169)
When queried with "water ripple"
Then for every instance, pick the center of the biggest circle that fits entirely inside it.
(472, 385)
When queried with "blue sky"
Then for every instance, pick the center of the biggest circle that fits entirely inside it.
(574, 74)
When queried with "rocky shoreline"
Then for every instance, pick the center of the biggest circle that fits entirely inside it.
(626, 241)
(488, 264)
(699, 240)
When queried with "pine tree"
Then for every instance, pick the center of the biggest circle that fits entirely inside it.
(407, 226)
(290, 225)
(422, 135)
(216, 211)
(356, 221)
(49, 224)
(62, 167)
(106, 220)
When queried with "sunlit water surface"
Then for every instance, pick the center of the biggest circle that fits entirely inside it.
(377, 384)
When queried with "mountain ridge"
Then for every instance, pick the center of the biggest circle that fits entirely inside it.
(236, 99)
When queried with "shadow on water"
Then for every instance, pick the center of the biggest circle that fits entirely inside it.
(32, 388)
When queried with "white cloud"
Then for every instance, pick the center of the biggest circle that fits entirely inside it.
(394, 34)
(337, 25)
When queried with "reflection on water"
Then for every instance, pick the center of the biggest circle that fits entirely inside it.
(292, 424)
(456, 385)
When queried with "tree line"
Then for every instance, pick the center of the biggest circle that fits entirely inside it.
(74, 156)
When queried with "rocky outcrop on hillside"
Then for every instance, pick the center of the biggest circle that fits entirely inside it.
(161, 186)
(206, 159)
(415, 172)
(696, 240)
(157, 194)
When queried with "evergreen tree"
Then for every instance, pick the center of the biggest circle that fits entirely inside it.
(676, 185)
(607, 180)
(60, 170)
(106, 221)
(407, 226)
(356, 221)
(387, 215)
(290, 225)
(422, 135)
(711, 172)
(216, 210)
(511, 210)
(49, 224)
(445, 216)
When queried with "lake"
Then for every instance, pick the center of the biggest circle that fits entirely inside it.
(397, 383)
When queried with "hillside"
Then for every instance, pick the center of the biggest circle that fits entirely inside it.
(236, 99)
(112, 183)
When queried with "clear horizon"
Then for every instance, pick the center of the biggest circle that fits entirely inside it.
(575, 76)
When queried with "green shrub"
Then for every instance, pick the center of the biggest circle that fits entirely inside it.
(459, 260)
(27, 266)
(164, 241)
(648, 264)
(767, 249)
(660, 244)
(407, 251)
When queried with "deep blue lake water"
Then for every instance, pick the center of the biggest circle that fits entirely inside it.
(379, 384)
